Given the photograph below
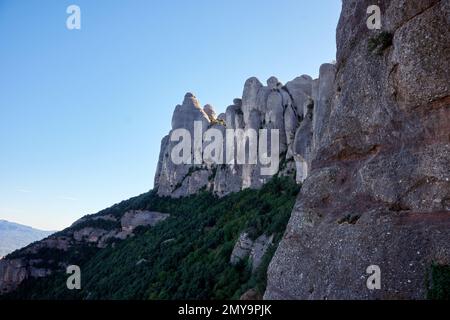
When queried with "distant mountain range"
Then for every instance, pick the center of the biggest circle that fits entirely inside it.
(14, 236)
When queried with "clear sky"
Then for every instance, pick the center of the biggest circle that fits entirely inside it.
(82, 112)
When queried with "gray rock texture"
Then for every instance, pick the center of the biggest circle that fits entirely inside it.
(209, 110)
(12, 272)
(273, 106)
(378, 189)
(369, 140)
(183, 179)
(254, 250)
(241, 249)
(259, 249)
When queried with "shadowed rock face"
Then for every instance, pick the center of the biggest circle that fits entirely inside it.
(271, 106)
(378, 190)
(133, 219)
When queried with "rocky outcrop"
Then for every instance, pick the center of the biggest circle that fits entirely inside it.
(369, 139)
(251, 295)
(254, 250)
(15, 271)
(241, 249)
(183, 179)
(139, 218)
(378, 184)
(97, 231)
(259, 249)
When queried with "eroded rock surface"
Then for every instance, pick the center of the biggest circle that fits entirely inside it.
(289, 108)
(379, 183)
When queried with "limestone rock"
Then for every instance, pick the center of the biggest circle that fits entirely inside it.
(176, 180)
(379, 174)
(259, 249)
(137, 218)
(228, 179)
(89, 234)
(163, 155)
(188, 112)
(237, 102)
(222, 117)
(303, 143)
(12, 273)
(322, 104)
(273, 83)
(21, 265)
(291, 123)
(262, 107)
(300, 90)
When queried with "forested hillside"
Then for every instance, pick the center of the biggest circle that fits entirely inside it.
(186, 256)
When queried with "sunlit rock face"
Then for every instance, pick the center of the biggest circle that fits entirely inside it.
(295, 110)
(378, 184)
(94, 231)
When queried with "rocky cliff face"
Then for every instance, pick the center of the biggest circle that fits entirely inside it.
(295, 109)
(370, 141)
(379, 186)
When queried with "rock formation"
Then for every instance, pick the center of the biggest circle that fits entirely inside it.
(254, 250)
(369, 140)
(289, 108)
(378, 187)
(96, 231)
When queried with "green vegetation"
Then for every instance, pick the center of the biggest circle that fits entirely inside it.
(186, 256)
(439, 286)
(380, 42)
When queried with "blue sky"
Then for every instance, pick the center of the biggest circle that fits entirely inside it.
(82, 112)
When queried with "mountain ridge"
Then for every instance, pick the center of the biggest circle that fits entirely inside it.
(367, 141)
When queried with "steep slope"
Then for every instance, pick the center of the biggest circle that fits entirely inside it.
(379, 188)
(262, 107)
(14, 236)
(187, 256)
